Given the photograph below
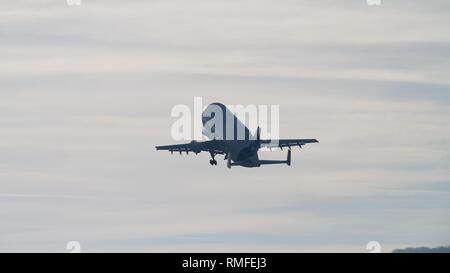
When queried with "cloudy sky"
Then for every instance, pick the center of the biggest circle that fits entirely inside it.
(86, 93)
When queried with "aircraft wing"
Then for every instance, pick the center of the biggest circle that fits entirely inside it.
(280, 143)
(195, 147)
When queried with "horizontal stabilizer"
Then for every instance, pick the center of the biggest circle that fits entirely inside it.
(287, 161)
(269, 162)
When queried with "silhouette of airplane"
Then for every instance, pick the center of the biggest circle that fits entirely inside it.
(237, 152)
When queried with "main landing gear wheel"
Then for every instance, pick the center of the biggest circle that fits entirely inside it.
(213, 162)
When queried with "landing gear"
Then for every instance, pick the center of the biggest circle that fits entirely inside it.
(212, 161)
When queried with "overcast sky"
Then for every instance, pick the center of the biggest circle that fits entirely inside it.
(86, 93)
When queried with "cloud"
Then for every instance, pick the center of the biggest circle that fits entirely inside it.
(86, 94)
(424, 249)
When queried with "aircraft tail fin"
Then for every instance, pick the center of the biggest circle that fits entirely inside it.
(229, 161)
(288, 160)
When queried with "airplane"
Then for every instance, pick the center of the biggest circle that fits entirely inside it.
(237, 152)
